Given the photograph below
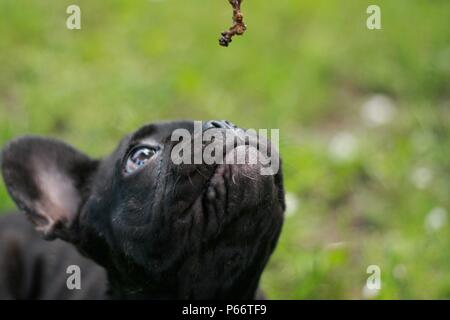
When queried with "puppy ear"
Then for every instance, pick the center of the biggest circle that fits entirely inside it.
(49, 180)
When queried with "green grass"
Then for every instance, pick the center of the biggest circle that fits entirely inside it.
(305, 67)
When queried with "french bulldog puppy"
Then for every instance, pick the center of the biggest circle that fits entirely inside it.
(137, 225)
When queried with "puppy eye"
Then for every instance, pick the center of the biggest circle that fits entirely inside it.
(138, 157)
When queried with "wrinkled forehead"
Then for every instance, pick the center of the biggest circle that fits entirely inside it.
(159, 132)
(155, 133)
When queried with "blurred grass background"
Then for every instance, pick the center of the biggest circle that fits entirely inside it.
(364, 116)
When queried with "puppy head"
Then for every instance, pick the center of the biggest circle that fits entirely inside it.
(160, 229)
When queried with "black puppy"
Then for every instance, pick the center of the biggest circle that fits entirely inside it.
(149, 228)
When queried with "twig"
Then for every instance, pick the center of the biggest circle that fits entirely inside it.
(238, 27)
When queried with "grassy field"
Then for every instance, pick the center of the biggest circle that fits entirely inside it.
(364, 116)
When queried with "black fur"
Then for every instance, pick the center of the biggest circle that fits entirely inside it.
(165, 232)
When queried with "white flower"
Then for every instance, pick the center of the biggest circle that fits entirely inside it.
(421, 177)
(343, 146)
(436, 219)
(292, 204)
(378, 110)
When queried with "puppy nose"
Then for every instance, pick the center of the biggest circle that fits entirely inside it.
(219, 124)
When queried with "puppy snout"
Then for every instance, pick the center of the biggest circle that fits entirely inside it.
(219, 124)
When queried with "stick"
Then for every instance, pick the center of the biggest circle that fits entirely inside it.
(238, 27)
